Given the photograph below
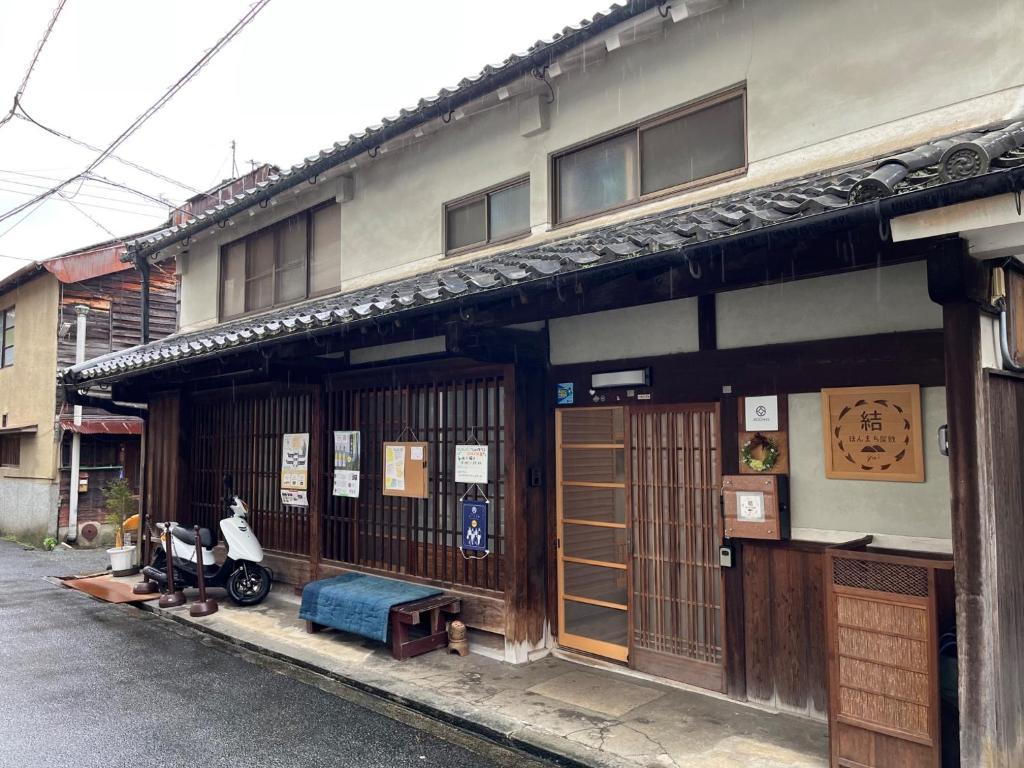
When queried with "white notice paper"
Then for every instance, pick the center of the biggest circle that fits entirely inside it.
(416, 453)
(346, 483)
(471, 464)
(750, 507)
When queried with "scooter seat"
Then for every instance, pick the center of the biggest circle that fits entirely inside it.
(188, 536)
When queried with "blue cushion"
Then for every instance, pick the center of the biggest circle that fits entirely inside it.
(358, 603)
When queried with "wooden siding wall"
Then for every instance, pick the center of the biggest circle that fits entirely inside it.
(784, 627)
(164, 466)
(114, 321)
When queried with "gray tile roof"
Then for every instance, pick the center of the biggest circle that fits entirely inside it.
(968, 155)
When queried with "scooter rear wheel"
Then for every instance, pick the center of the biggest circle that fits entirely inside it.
(251, 589)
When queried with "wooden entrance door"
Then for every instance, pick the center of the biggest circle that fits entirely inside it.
(593, 545)
(674, 486)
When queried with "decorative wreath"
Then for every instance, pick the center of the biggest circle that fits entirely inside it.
(768, 449)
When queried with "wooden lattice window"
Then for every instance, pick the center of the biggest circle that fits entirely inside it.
(419, 537)
(242, 436)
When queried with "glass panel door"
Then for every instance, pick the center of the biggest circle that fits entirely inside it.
(593, 535)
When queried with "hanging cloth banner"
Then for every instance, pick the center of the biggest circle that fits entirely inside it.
(474, 525)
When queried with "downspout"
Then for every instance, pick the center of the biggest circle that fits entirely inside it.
(999, 301)
(76, 438)
(142, 263)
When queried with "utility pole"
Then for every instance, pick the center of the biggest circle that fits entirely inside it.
(234, 164)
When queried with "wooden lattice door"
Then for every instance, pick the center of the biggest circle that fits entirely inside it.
(674, 486)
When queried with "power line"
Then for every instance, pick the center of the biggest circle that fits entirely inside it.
(90, 195)
(23, 115)
(32, 64)
(67, 198)
(74, 205)
(150, 111)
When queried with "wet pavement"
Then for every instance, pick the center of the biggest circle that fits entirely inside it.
(86, 684)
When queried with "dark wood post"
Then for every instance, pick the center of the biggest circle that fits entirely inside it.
(171, 596)
(205, 606)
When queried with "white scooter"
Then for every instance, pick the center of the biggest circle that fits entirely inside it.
(246, 580)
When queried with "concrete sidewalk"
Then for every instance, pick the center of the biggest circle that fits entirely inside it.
(555, 708)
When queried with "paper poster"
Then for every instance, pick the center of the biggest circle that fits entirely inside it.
(471, 464)
(346, 483)
(416, 452)
(564, 393)
(474, 525)
(294, 498)
(346, 464)
(394, 467)
(295, 469)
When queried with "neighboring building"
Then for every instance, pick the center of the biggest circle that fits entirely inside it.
(586, 258)
(40, 305)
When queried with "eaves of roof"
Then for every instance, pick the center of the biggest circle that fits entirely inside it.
(539, 55)
(946, 171)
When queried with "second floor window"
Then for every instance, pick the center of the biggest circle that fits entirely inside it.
(285, 262)
(7, 337)
(492, 216)
(10, 450)
(696, 144)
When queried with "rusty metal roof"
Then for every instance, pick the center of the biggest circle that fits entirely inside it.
(982, 154)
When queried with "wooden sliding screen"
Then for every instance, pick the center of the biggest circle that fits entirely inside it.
(242, 436)
(418, 537)
(674, 484)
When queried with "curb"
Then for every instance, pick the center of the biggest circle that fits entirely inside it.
(532, 743)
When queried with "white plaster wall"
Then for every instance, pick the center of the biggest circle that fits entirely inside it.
(828, 82)
(864, 506)
(666, 328)
(853, 304)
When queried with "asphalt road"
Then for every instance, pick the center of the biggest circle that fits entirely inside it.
(85, 684)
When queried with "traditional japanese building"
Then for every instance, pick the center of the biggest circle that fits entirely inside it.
(723, 303)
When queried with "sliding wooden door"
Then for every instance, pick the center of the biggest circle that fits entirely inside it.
(593, 535)
(674, 486)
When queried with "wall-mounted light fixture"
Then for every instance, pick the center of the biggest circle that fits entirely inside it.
(640, 377)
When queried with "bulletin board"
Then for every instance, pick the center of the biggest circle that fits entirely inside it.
(405, 469)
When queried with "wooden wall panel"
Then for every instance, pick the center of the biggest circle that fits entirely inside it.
(784, 627)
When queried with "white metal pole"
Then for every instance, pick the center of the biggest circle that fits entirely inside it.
(76, 439)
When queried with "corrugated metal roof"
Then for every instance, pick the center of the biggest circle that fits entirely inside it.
(945, 160)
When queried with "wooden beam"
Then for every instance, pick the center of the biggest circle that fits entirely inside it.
(707, 324)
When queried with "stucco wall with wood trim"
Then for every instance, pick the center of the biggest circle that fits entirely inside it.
(864, 506)
(882, 85)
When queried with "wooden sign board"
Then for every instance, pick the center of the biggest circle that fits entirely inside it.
(756, 507)
(873, 433)
(781, 437)
(405, 470)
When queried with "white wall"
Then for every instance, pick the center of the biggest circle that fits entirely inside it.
(853, 304)
(828, 83)
(666, 328)
(866, 506)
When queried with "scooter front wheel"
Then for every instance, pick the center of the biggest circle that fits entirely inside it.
(249, 584)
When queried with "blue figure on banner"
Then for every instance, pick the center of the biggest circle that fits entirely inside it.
(474, 525)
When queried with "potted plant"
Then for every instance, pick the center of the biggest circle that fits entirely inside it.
(120, 505)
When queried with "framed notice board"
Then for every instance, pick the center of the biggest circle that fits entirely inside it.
(405, 470)
(873, 433)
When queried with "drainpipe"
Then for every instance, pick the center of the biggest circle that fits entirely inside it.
(76, 439)
(143, 266)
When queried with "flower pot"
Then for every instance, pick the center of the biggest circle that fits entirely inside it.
(121, 558)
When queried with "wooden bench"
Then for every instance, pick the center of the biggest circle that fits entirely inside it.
(415, 627)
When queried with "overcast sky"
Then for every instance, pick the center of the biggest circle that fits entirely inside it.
(303, 74)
